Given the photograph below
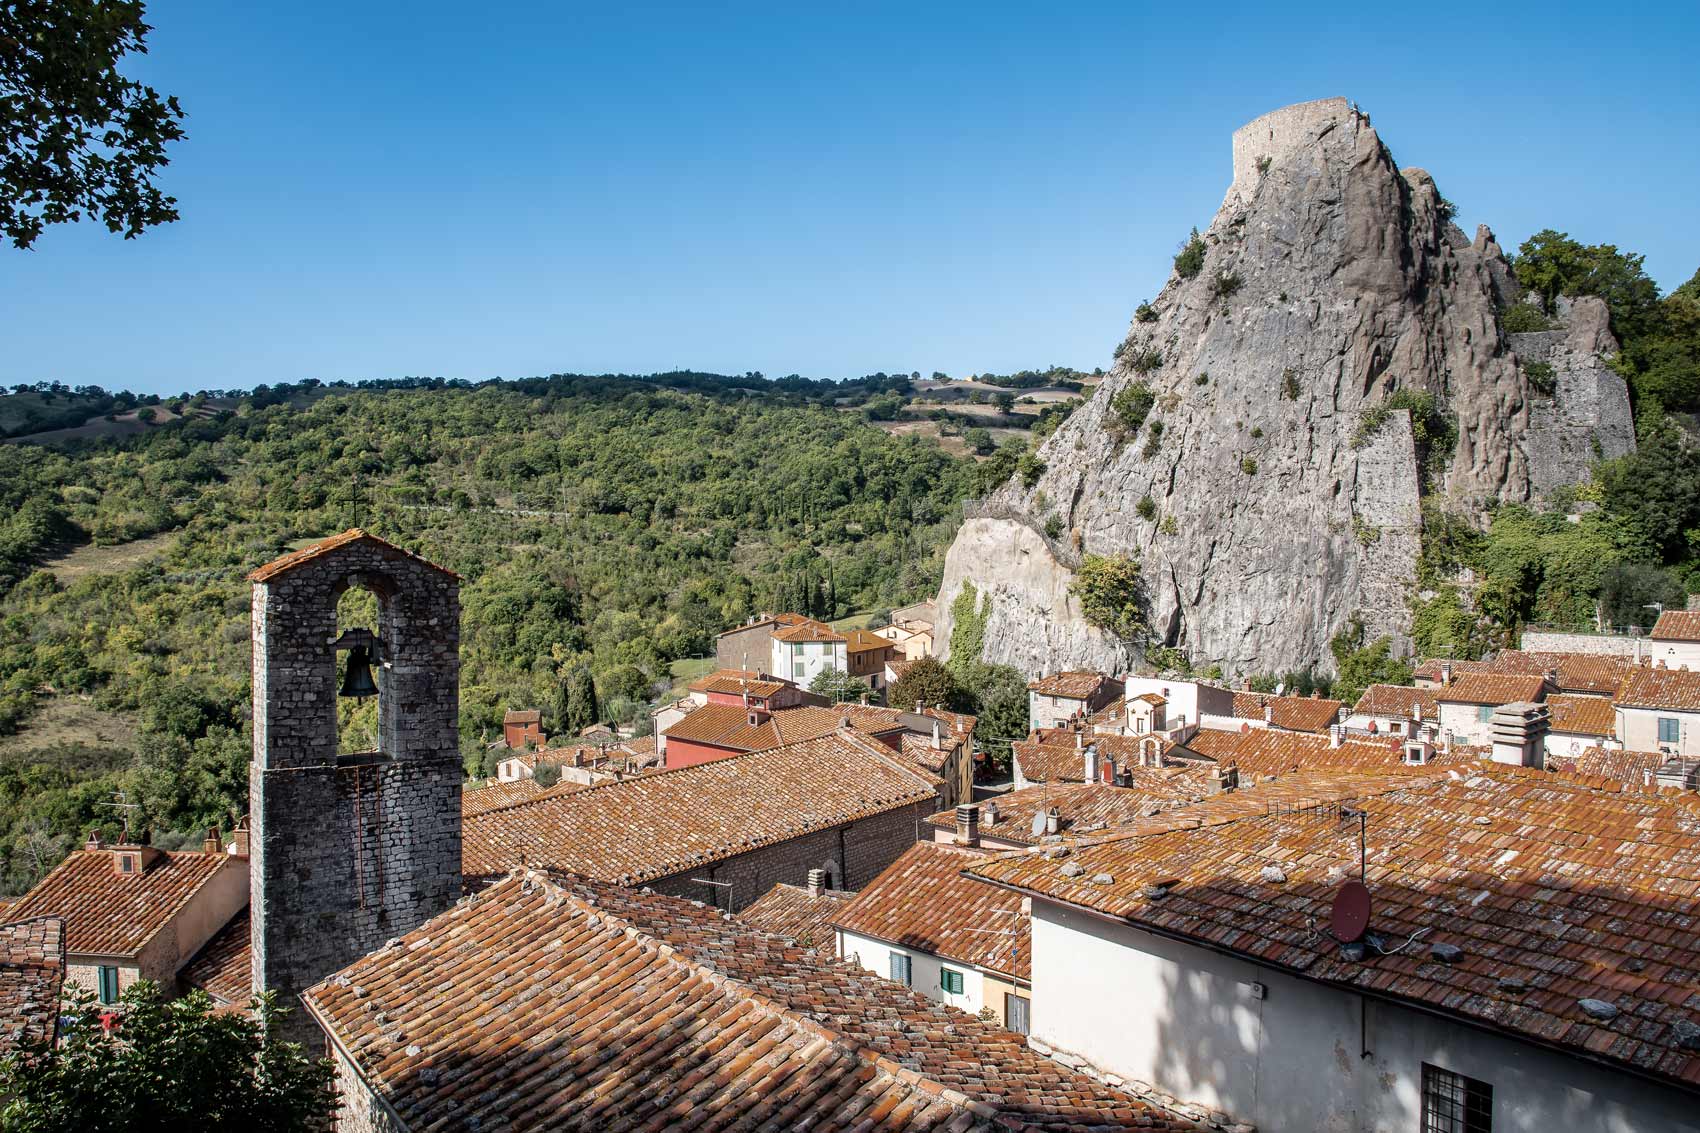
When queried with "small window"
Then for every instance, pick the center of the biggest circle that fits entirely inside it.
(900, 968)
(108, 985)
(950, 981)
(127, 864)
(1453, 1103)
(1015, 1008)
(1485, 713)
(1670, 730)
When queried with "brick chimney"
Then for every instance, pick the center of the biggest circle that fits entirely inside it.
(213, 843)
(1224, 778)
(967, 824)
(239, 837)
(95, 841)
(816, 884)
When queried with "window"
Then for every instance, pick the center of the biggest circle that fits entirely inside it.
(1015, 1008)
(1453, 1103)
(797, 670)
(127, 864)
(108, 985)
(1485, 713)
(950, 981)
(1670, 730)
(900, 968)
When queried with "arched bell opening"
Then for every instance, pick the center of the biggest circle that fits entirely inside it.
(360, 649)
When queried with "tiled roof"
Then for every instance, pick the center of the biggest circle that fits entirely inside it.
(1073, 685)
(1053, 758)
(1577, 672)
(861, 640)
(1552, 892)
(522, 716)
(1677, 625)
(1291, 713)
(791, 910)
(1582, 715)
(807, 630)
(108, 913)
(1614, 765)
(633, 830)
(711, 724)
(923, 901)
(1493, 688)
(32, 970)
(306, 554)
(1647, 687)
(766, 620)
(736, 682)
(1113, 711)
(538, 1004)
(223, 968)
(1432, 669)
(1085, 807)
(1394, 702)
(495, 795)
(728, 725)
(1261, 752)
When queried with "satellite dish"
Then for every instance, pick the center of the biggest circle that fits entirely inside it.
(1038, 823)
(1351, 912)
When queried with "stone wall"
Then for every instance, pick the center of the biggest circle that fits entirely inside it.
(1587, 417)
(358, 1109)
(853, 855)
(1279, 132)
(1599, 644)
(348, 852)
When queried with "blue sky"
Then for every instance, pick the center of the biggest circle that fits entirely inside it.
(381, 189)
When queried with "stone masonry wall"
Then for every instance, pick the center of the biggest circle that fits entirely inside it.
(358, 1109)
(854, 855)
(1598, 644)
(348, 852)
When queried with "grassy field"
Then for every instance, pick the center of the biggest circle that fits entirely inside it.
(92, 559)
(854, 621)
(68, 721)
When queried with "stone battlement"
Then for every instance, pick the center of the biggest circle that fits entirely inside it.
(1283, 130)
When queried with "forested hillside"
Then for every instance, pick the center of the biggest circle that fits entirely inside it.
(602, 524)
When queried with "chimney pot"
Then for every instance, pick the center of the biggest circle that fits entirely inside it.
(1269, 714)
(817, 882)
(95, 841)
(1053, 821)
(214, 843)
(1336, 734)
(967, 824)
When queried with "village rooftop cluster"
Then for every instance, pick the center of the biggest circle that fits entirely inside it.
(1468, 904)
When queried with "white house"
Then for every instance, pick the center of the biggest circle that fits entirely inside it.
(1467, 704)
(1659, 710)
(1210, 962)
(802, 652)
(958, 941)
(1675, 639)
(1185, 702)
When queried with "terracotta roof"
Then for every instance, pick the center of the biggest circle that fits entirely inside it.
(1074, 685)
(1431, 669)
(633, 830)
(861, 640)
(353, 535)
(710, 723)
(728, 725)
(807, 630)
(522, 716)
(494, 795)
(1113, 711)
(765, 620)
(791, 910)
(1262, 752)
(1677, 625)
(1614, 765)
(1290, 713)
(1675, 689)
(539, 1004)
(1553, 892)
(923, 901)
(1577, 672)
(1053, 757)
(1494, 689)
(223, 968)
(1085, 807)
(736, 682)
(108, 913)
(1582, 715)
(32, 970)
(642, 745)
(1394, 702)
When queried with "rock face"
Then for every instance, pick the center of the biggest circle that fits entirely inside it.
(1283, 506)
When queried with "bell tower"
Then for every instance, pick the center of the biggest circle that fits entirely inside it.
(348, 851)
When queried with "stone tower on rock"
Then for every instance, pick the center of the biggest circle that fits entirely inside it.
(349, 851)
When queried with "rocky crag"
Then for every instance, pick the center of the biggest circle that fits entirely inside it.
(1285, 495)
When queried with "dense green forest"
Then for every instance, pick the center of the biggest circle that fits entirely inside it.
(601, 524)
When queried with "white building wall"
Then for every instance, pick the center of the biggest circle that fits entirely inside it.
(1675, 654)
(875, 956)
(1465, 723)
(803, 661)
(1638, 728)
(1188, 1021)
(1189, 699)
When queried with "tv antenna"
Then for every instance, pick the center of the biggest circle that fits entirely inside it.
(124, 804)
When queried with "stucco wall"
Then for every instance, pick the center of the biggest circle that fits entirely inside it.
(924, 967)
(1638, 728)
(1465, 723)
(1187, 1020)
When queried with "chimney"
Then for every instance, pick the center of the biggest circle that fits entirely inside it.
(1519, 734)
(864, 700)
(1079, 741)
(214, 843)
(95, 842)
(1445, 673)
(967, 824)
(938, 735)
(919, 708)
(1053, 821)
(239, 838)
(1090, 754)
(1417, 712)
(991, 814)
(817, 882)
(1268, 715)
(1224, 778)
(1336, 735)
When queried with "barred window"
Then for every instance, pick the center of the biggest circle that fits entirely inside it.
(1453, 1103)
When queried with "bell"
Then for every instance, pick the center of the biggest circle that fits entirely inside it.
(358, 681)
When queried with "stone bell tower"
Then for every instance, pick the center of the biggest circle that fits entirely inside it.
(348, 851)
